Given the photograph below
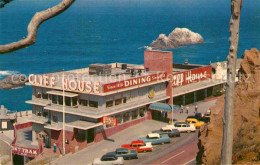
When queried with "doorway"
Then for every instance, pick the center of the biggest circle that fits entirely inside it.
(90, 135)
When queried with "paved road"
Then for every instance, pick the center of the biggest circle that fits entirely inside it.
(185, 147)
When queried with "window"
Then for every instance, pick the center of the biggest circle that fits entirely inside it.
(54, 99)
(93, 104)
(55, 119)
(124, 99)
(67, 101)
(183, 125)
(118, 101)
(134, 114)
(45, 96)
(38, 95)
(119, 119)
(142, 112)
(60, 100)
(83, 102)
(45, 114)
(126, 116)
(81, 134)
(109, 104)
(4, 124)
(74, 101)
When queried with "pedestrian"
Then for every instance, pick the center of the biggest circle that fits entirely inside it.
(54, 147)
(187, 109)
(196, 108)
(166, 115)
(181, 110)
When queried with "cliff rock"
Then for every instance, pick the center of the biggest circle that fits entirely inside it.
(13, 81)
(178, 37)
(246, 147)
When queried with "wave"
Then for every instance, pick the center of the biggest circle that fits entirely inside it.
(146, 47)
(7, 72)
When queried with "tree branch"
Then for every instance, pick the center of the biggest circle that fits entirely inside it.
(33, 26)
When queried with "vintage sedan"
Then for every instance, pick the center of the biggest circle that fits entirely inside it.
(155, 138)
(195, 122)
(125, 153)
(183, 127)
(168, 131)
(139, 146)
(108, 160)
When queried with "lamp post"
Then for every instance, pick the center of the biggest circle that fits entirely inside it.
(172, 104)
(63, 115)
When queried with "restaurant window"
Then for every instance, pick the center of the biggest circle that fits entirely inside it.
(81, 134)
(134, 114)
(118, 101)
(38, 95)
(74, 101)
(142, 112)
(83, 102)
(126, 116)
(109, 103)
(93, 104)
(45, 96)
(124, 99)
(45, 113)
(55, 119)
(54, 99)
(67, 101)
(119, 119)
(60, 100)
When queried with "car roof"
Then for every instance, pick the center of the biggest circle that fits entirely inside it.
(138, 141)
(181, 122)
(153, 135)
(121, 149)
(108, 156)
(190, 117)
(166, 128)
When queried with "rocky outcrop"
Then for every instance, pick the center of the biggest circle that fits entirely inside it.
(178, 37)
(246, 148)
(13, 81)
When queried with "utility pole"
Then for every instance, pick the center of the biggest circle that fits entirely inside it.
(227, 141)
(63, 115)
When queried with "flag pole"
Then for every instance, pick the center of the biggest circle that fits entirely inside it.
(63, 114)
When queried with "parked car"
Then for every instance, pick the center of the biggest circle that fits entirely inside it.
(198, 116)
(139, 146)
(155, 138)
(206, 117)
(125, 153)
(183, 127)
(108, 160)
(168, 131)
(195, 122)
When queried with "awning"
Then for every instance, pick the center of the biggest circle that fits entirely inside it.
(162, 107)
(60, 93)
(84, 125)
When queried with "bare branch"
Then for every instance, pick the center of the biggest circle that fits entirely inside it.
(33, 26)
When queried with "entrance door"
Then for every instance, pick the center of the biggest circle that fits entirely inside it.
(90, 135)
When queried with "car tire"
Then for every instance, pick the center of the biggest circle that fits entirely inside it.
(188, 131)
(162, 143)
(144, 151)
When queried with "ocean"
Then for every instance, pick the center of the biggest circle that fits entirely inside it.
(104, 31)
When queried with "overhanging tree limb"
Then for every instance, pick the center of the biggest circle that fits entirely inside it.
(33, 26)
(227, 141)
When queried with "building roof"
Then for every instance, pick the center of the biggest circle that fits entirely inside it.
(224, 64)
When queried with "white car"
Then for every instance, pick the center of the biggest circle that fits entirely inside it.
(183, 127)
(109, 160)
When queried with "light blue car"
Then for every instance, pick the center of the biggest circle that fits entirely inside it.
(155, 138)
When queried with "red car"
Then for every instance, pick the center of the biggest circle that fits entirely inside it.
(139, 146)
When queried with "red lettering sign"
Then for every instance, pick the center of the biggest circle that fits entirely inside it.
(134, 82)
(110, 121)
(194, 75)
(23, 151)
